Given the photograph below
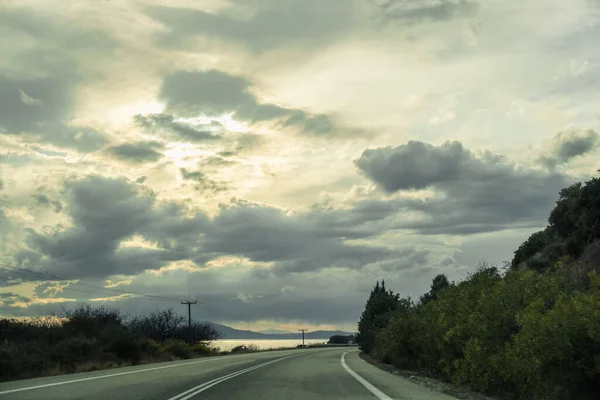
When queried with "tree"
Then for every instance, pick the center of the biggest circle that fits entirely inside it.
(158, 325)
(380, 305)
(88, 321)
(576, 216)
(439, 283)
(200, 333)
(534, 244)
(341, 339)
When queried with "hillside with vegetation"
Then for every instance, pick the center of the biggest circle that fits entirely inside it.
(530, 330)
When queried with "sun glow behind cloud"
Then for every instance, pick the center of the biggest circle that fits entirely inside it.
(227, 121)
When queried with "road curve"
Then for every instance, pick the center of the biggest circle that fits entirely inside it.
(295, 374)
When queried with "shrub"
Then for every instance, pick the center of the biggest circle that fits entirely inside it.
(176, 348)
(246, 348)
(74, 350)
(554, 355)
(203, 350)
(84, 320)
(524, 335)
(21, 360)
(121, 343)
(149, 347)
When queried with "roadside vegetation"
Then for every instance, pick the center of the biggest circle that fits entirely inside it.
(530, 330)
(342, 339)
(87, 338)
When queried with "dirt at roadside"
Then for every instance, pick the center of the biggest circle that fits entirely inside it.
(431, 383)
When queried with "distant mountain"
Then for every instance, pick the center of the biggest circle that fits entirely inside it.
(273, 331)
(232, 333)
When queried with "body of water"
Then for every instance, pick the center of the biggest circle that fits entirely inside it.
(264, 344)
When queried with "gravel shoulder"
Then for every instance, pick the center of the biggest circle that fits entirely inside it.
(429, 382)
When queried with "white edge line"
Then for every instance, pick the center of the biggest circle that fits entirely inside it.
(209, 382)
(216, 358)
(200, 388)
(380, 395)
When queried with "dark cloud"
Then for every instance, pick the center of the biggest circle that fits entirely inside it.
(295, 242)
(262, 25)
(41, 200)
(203, 184)
(37, 85)
(418, 11)
(166, 124)
(40, 109)
(214, 93)
(138, 152)
(104, 212)
(417, 165)
(568, 145)
(216, 162)
(171, 128)
(476, 192)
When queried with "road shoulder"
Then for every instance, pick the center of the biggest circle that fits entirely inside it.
(433, 384)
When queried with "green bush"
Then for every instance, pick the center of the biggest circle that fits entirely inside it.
(524, 335)
(555, 353)
(75, 350)
(88, 338)
(203, 349)
(122, 344)
(149, 347)
(21, 360)
(176, 348)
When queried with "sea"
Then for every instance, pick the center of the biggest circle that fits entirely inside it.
(264, 344)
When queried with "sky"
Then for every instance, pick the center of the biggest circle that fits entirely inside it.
(273, 159)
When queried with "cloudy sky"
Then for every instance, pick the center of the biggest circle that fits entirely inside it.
(274, 158)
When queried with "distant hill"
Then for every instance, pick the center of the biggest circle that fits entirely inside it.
(232, 333)
(273, 331)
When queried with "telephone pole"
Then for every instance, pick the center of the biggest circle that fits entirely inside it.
(302, 330)
(189, 304)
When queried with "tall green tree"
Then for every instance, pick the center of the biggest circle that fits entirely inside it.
(439, 283)
(380, 305)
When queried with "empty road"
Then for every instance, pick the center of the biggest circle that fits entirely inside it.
(296, 374)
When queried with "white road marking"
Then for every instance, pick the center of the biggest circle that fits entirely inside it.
(380, 395)
(138, 371)
(188, 394)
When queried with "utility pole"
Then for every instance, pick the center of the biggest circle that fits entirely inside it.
(189, 304)
(302, 330)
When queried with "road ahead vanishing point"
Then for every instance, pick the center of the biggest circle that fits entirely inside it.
(297, 374)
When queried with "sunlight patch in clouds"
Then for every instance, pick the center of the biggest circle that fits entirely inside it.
(184, 265)
(226, 121)
(138, 241)
(110, 284)
(234, 261)
(114, 298)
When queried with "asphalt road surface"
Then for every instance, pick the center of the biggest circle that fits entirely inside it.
(290, 375)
